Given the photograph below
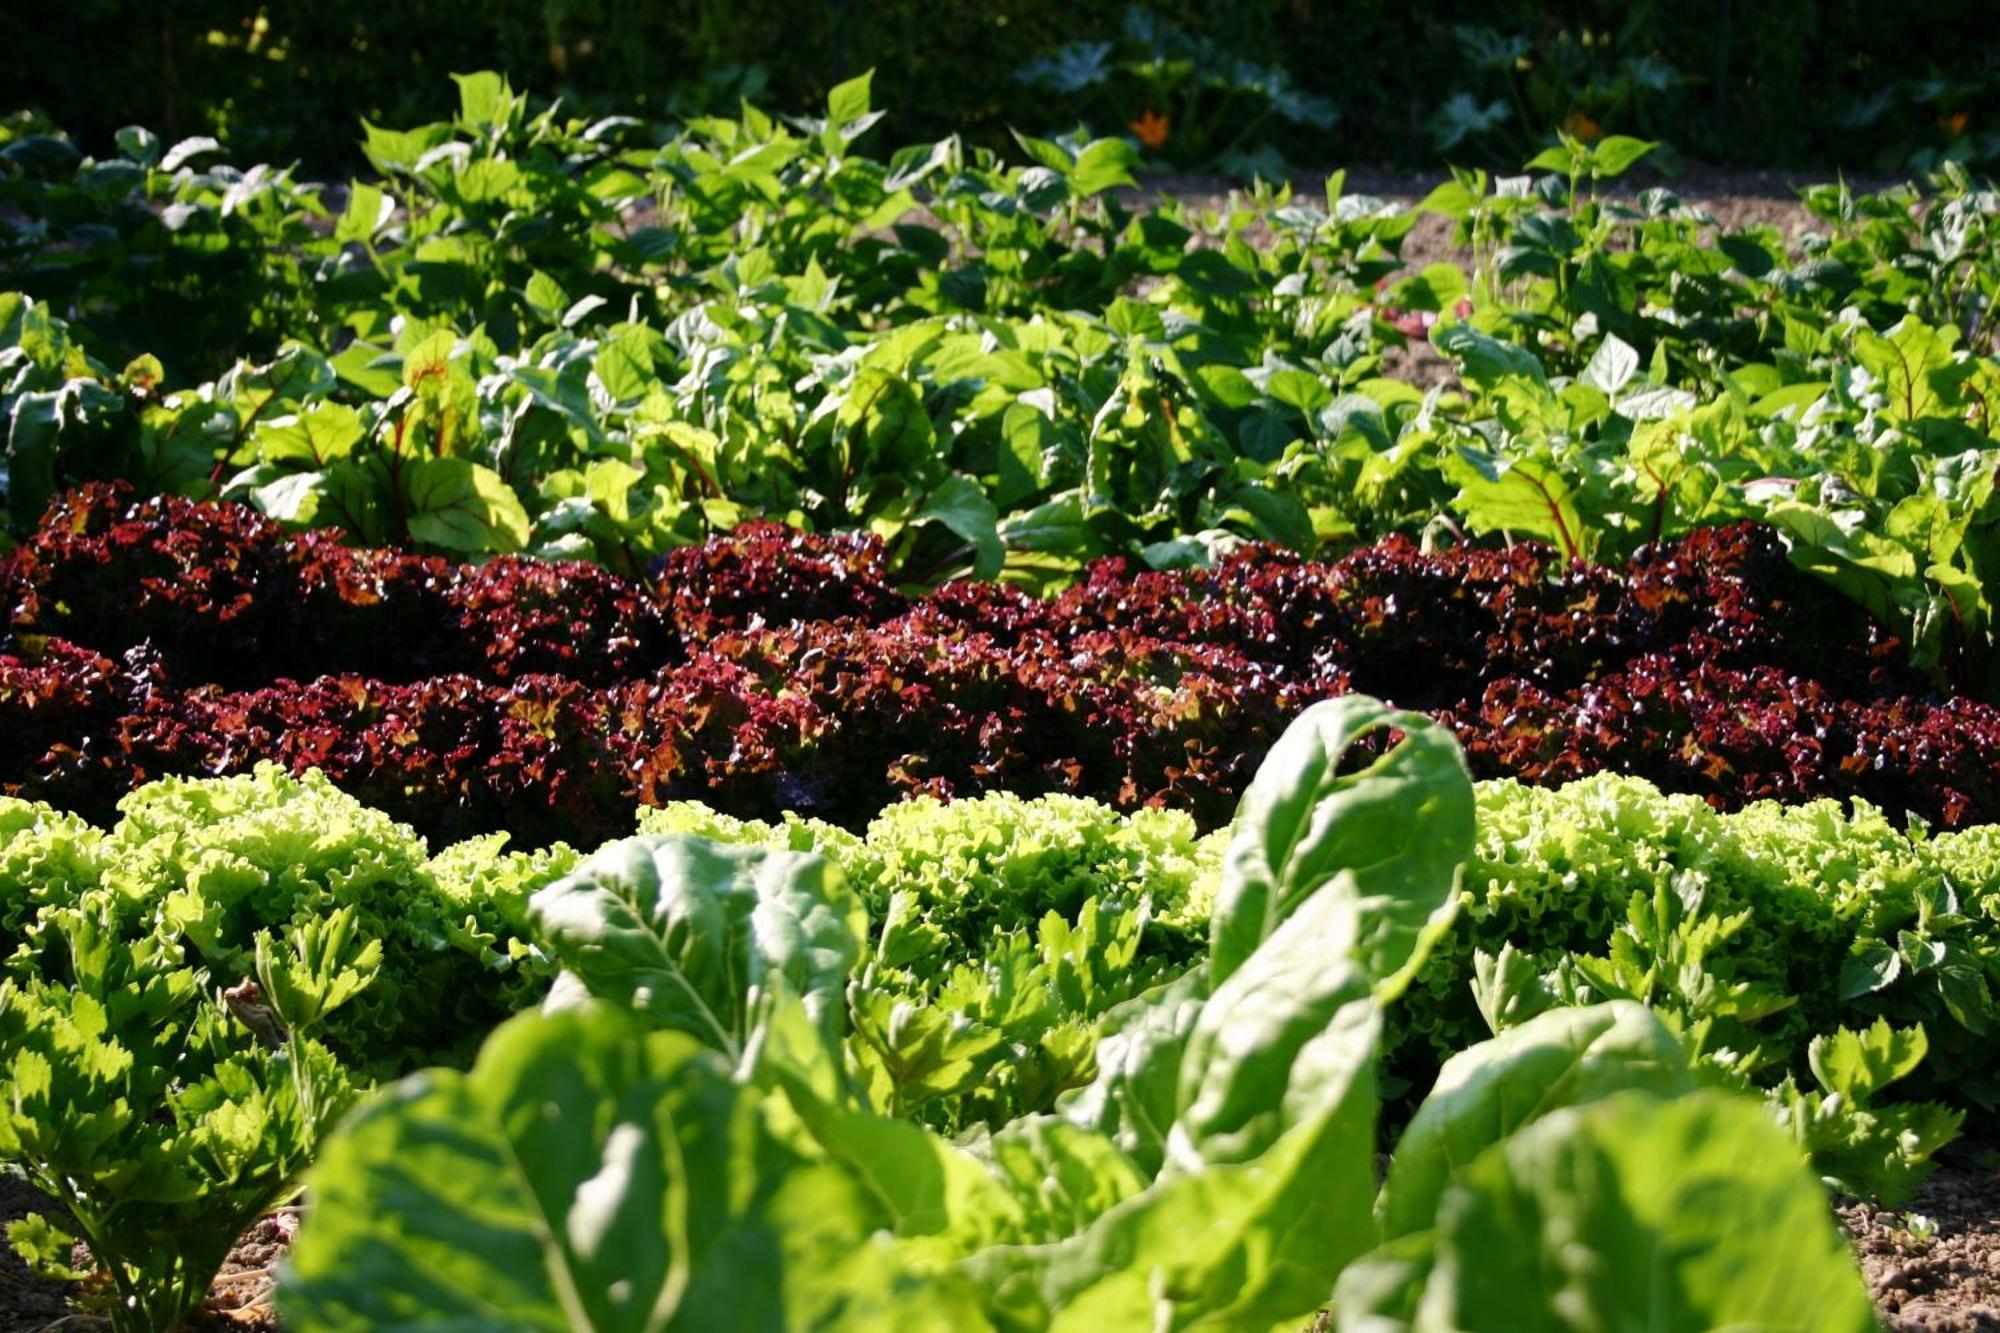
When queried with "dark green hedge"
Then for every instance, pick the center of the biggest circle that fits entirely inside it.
(1763, 81)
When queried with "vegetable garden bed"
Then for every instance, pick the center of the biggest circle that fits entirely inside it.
(681, 719)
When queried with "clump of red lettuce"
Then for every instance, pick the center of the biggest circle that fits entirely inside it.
(774, 670)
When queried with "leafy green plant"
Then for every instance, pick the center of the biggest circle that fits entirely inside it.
(162, 1119)
(1218, 1167)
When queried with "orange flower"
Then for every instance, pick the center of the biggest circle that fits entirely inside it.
(1151, 128)
(1954, 124)
(1582, 125)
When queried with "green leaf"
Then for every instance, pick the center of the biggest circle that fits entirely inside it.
(624, 364)
(368, 208)
(1264, 1193)
(1566, 1057)
(1518, 494)
(1487, 361)
(1393, 831)
(392, 151)
(1612, 366)
(960, 505)
(1869, 970)
(462, 506)
(1297, 1018)
(886, 429)
(1630, 1212)
(1135, 1097)
(427, 365)
(179, 155)
(1916, 363)
(1027, 439)
(1615, 154)
(1557, 159)
(483, 99)
(584, 1174)
(849, 101)
(545, 296)
(1103, 164)
(689, 932)
(319, 433)
(46, 1248)
(1857, 1065)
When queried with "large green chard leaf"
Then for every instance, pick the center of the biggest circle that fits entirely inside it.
(1566, 1057)
(1292, 1027)
(1391, 835)
(1257, 1236)
(689, 932)
(588, 1175)
(1628, 1213)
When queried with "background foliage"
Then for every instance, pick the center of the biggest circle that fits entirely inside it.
(1825, 82)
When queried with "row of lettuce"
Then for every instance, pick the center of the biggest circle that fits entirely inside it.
(608, 340)
(1004, 1062)
(769, 672)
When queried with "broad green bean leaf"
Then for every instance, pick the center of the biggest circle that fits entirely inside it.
(1565, 1057)
(487, 181)
(960, 505)
(390, 151)
(1557, 158)
(1631, 1212)
(848, 102)
(463, 506)
(1486, 359)
(545, 296)
(139, 143)
(1616, 154)
(181, 153)
(1297, 388)
(585, 1174)
(624, 364)
(1612, 366)
(688, 932)
(1393, 833)
(483, 99)
(368, 211)
(1103, 164)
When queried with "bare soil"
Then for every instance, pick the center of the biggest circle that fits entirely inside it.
(1934, 1266)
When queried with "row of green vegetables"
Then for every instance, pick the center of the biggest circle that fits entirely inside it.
(1005, 1062)
(603, 339)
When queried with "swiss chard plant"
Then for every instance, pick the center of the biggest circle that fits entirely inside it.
(684, 1130)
